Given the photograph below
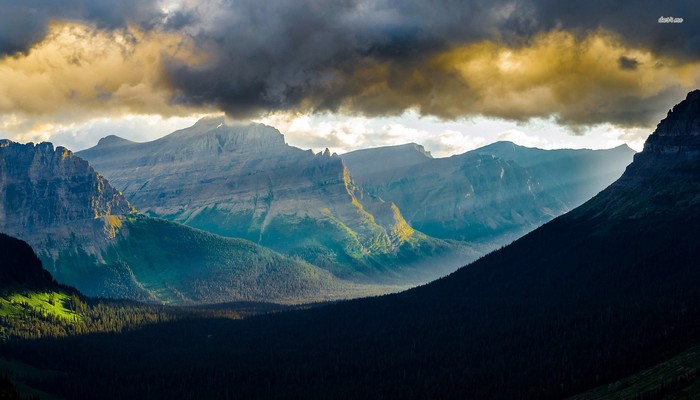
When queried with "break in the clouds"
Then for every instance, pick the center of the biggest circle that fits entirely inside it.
(442, 138)
(582, 64)
(26, 23)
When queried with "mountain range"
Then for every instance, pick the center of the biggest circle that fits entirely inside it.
(364, 215)
(573, 176)
(595, 295)
(493, 194)
(245, 181)
(89, 236)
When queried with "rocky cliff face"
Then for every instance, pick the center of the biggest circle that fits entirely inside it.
(678, 133)
(385, 164)
(57, 203)
(665, 177)
(572, 176)
(245, 181)
(50, 195)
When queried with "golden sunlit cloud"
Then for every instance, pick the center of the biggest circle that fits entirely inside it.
(578, 80)
(78, 72)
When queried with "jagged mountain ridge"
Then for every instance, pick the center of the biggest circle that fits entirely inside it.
(663, 178)
(51, 198)
(88, 236)
(375, 164)
(476, 198)
(493, 194)
(570, 175)
(245, 181)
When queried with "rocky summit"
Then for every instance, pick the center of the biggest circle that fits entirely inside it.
(665, 177)
(245, 181)
(679, 133)
(50, 195)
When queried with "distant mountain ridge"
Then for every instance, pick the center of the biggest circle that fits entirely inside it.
(379, 161)
(570, 175)
(114, 141)
(245, 181)
(88, 236)
(492, 194)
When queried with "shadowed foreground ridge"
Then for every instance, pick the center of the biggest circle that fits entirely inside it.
(20, 267)
(595, 295)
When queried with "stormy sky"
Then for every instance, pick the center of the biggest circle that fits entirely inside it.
(451, 74)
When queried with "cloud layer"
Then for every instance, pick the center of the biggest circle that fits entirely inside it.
(584, 64)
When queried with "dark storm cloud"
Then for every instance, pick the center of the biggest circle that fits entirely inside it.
(626, 110)
(319, 55)
(24, 23)
(627, 63)
(634, 20)
(277, 55)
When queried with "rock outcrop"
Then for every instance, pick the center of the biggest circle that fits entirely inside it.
(678, 133)
(665, 177)
(51, 196)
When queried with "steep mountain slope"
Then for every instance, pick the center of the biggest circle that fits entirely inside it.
(29, 296)
(245, 181)
(33, 305)
(477, 198)
(590, 297)
(89, 236)
(42, 189)
(386, 163)
(673, 379)
(20, 267)
(572, 176)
